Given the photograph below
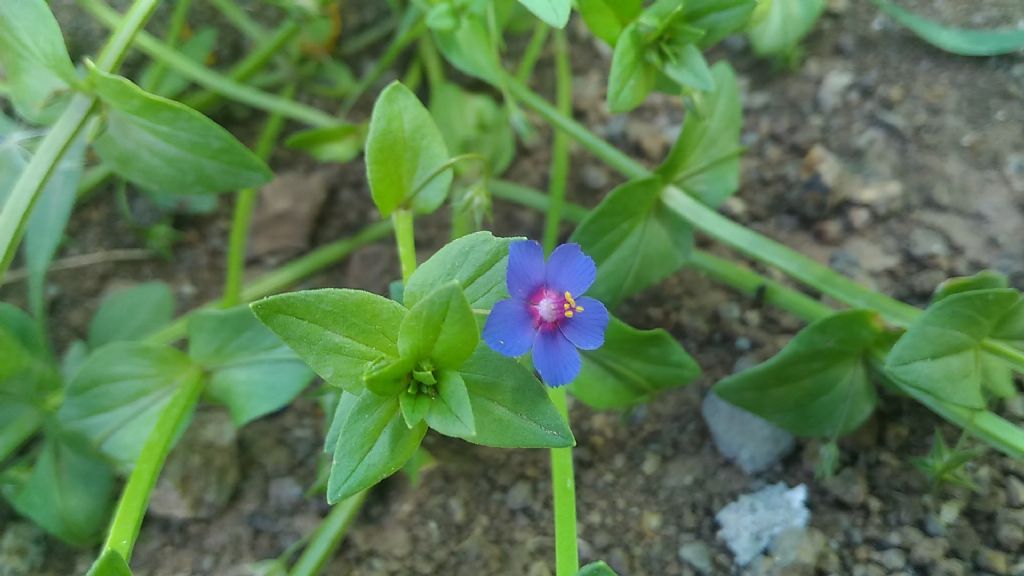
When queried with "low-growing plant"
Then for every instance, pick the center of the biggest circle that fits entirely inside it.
(481, 341)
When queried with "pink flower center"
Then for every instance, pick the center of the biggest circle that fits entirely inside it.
(549, 308)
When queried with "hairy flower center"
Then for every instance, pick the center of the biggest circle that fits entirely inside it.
(550, 307)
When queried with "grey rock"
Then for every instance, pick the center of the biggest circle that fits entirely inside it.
(519, 496)
(950, 567)
(849, 486)
(892, 559)
(22, 549)
(833, 87)
(751, 442)
(1014, 492)
(796, 551)
(1010, 535)
(697, 555)
(928, 551)
(993, 561)
(926, 244)
(750, 523)
(202, 472)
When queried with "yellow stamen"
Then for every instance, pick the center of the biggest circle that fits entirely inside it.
(570, 306)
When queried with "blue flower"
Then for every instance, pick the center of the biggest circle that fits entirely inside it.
(547, 312)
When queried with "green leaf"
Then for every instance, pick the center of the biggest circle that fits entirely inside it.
(388, 376)
(109, 564)
(984, 280)
(631, 78)
(470, 48)
(337, 332)
(165, 146)
(27, 374)
(252, 371)
(372, 443)
(132, 314)
(34, 58)
(607, 18)
(476, 261)
(473, 123)
(552, 12)
(635, 241)
(339, 144)
(116, 397)
(941, 352)
(449, 411)
(440, 328)
(718, 18)
(69, 491)
(705, 159)
(404, 151)
(511, 407)
(596, 569)
(818, 385)
(198, 48)
(688, 68)
(632, 367)
(786, 23)
(962, 41)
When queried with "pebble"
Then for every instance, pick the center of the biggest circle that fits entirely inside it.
(1010, 536)
(652, 462)
(833, 87)
(993, 561)
(697, 555)
(1014, 492)
(926, 244)
(892, 559)
(519, 496)
(796, 551)
(752, 443)
(751, 522)
(928, 551)
(22, 549)
(849, 486)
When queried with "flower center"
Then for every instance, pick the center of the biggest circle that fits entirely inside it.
(550, 307)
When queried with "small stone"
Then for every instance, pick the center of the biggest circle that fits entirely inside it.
(1015, 406)
(829, 231)
(993, 561)
(285, 492)
(868, 570)
(697, 555)
(881, 197)
(202, 472)
(1010, 530)
(796, 551)
(22, 549)
(652, 462)
(849, 486)
(892, 559)
(926, 244)
(751, 522)
(752, 443)
(651, 521)
(519, 496)
(1014, 492)
(833, 87)
(823, 182)
(595, 176)
(950, 567)
(859, 217)
(928, 551)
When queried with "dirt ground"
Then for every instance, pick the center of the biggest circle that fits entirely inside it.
(931, 152)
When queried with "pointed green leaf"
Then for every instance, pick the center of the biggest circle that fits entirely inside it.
(450, 413)
(440, 328)
(607, 18)
(471, 48)
(511, 407)
(785, 24)
(635, 241)
(719, 18)
(552, 12)
(631, 78)
(632, 367)
(165, 146)
(337, 332)
(404, 151)
(984, 280)
(962, 41)
(34, 58)
(689, 68)
(373, 442)
(339, 144)
(477, 262)
(705, 160)
(818, 385)
(117, 395)
(69, 491)
(132, 314)
(415, 407)
(252, 372)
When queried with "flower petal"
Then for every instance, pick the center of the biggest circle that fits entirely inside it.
(570, 270)
(586, 329)
(525, 272)
(555, 358)
(509, 329)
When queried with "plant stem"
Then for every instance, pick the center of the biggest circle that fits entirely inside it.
(245, 24)
(327, 536)
(283, 277)
(22, 197)
(406, 241)
(563, 489)
(367, 37)
(431, 62)
(559, 174)
(210, 79)
(177, 24)
(244, 205)
(532, 52)
(408, 36)
(124, 528)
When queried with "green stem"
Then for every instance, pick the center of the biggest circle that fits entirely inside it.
(327, 536)
(383, 64)
(174, 28)
(285, 276)
(245, 24)
(532, 53)
(367, 37)
(124, 528)
(431, 62)
(212, 80)
(406, 241)
(559, 175)
(23, 196)
(244, 205)
(563, 489)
